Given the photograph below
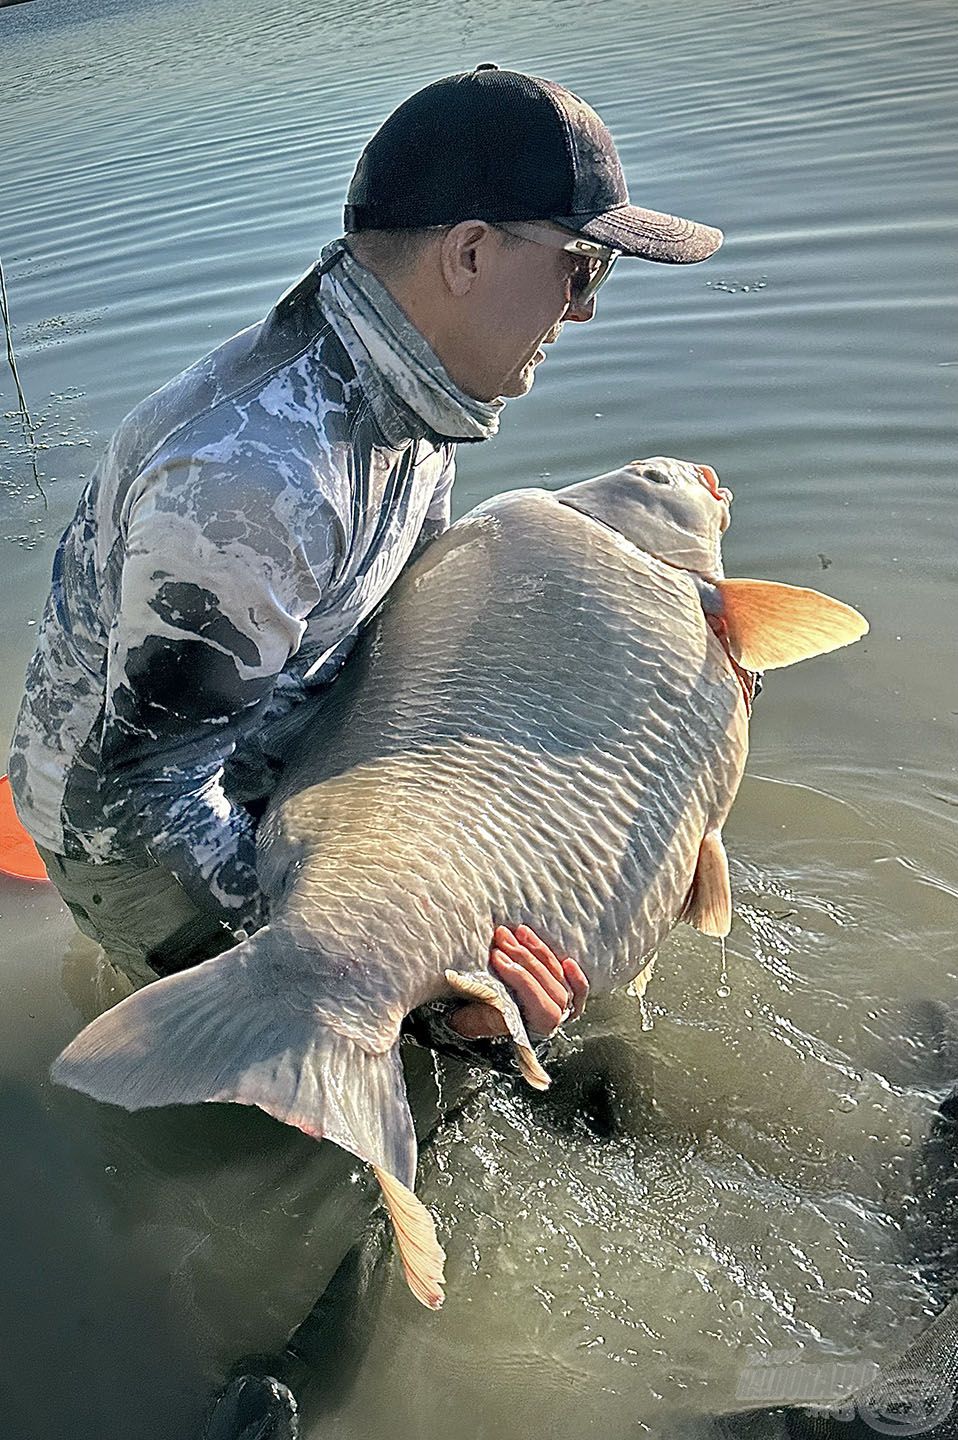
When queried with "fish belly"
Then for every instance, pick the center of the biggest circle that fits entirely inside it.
(539, 728)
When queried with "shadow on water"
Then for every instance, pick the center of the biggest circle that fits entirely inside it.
(98, 1344)
(324, 1359)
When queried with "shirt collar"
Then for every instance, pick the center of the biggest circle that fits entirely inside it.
(397, 368)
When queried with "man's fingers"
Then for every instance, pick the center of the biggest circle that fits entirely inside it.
(536, 947)
(540, 1012)
(554, 985)
(579, 985)
(546, 989)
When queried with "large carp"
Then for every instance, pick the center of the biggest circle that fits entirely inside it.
(544, 725)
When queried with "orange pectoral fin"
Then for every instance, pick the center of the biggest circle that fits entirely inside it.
(772, 625)
(709, 906)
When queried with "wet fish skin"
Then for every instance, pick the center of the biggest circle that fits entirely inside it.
(541, 726)
(543, 741)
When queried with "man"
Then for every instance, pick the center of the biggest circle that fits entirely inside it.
(250, 516)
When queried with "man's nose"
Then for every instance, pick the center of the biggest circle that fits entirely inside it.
(580, 313)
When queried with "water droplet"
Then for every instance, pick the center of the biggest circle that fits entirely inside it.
(723, 990)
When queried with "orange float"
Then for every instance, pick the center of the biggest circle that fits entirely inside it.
(18, 854)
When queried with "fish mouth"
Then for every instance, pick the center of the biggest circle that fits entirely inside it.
(711, 482)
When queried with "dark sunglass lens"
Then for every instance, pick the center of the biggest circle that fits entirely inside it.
(582, 280)
(587, 276)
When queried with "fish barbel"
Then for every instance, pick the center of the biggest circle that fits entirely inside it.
(544, 725)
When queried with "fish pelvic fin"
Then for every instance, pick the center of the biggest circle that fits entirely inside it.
(772, 625)
(486, 989)
(709, 906)
(222, 1031)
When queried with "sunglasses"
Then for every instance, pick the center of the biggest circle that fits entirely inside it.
(594, 261)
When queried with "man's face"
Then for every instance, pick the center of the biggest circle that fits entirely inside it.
(519, 307)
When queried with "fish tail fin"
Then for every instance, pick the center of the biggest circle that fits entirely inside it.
(226, 1031)
(421, 1254)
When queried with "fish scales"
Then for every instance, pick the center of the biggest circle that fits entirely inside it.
(546, 724)
(448, 743)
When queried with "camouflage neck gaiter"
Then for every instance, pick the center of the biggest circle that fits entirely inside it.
(392, 359)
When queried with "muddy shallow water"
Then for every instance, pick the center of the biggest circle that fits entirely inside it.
(168, 169)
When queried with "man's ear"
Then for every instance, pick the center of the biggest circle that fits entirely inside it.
(463, 252)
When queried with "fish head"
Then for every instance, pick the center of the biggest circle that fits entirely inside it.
(672, 509)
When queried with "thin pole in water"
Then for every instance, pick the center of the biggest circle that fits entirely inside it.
(24, 413)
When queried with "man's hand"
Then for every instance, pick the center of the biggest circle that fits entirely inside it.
(547, 990)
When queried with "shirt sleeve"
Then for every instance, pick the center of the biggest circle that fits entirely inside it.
(219, 572)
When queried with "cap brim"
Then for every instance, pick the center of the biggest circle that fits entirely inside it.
(647, 235)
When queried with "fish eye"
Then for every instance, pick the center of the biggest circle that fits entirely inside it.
(657, 476)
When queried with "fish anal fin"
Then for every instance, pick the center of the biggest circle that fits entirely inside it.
(772, 625)
(532, 1072)
(709, 906)
(421, 1254)
(473, 987)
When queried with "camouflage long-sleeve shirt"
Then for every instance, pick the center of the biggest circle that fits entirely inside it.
(244, 521)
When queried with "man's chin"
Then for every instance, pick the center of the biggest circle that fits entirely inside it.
(520, 382)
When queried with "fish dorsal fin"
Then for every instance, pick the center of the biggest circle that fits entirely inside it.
(772, 625)
(474, 988)
(421, 1254)
(709, 906)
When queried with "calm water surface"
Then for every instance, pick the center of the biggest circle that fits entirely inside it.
(167, 169)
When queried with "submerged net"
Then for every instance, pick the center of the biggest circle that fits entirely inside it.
(917, 1394)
